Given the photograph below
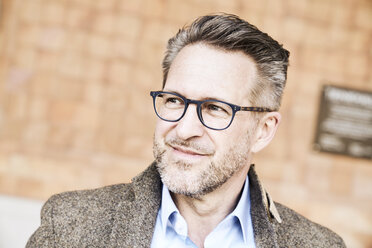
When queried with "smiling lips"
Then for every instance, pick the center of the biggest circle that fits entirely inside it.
(187, 151)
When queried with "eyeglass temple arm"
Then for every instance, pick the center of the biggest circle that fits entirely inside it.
(256, 109)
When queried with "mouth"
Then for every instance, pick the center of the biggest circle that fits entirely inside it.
(182, 151)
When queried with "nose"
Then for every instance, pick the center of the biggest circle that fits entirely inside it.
(190, 126)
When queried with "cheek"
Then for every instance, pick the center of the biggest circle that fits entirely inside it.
(235, 136)
(222, 141)
(162, 128)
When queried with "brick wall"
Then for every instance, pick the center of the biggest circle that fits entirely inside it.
(75, 110)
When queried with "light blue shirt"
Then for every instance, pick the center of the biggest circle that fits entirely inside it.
(235, 230)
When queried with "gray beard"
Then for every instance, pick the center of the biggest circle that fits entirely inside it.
(208, 180)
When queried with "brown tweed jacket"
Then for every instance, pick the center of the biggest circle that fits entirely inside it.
(124, 215)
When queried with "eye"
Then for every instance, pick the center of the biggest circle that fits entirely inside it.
(216, 109)
(172, 101)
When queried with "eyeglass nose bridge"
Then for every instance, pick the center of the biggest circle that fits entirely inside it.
(198, 109)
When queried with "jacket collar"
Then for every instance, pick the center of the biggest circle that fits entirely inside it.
(134, 217)
(263, 213)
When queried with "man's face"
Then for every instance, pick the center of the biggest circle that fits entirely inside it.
(192, 159)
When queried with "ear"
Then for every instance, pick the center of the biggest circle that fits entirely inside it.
(266, 130)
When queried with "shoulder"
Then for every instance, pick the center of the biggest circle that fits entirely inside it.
(77, 218)
(85, 213)
(86, 206)
(108, 196)
(70, 205)
(103, 197)
(301, 232)
(74, 218)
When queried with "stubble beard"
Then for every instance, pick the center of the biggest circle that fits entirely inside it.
(196, 180)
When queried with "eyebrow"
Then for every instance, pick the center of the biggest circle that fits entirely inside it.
(201, 99)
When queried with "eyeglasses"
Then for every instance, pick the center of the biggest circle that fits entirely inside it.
(213, 114)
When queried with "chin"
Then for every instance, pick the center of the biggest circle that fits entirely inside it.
(187, 179)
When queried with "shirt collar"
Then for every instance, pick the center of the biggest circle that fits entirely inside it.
(167, 207)
(242, 210)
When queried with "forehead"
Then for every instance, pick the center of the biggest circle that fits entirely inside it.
(201, 71)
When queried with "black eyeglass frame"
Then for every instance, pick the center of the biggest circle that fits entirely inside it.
(235, 108)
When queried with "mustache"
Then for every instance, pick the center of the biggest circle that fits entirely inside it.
(190, 144)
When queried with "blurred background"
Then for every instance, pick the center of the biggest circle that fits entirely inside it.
(75, 110)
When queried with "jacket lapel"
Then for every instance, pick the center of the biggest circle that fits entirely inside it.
(263, 213)
(134, 220)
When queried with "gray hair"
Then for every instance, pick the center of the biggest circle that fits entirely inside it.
(230, 33)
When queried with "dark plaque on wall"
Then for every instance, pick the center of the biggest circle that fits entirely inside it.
(345, 122)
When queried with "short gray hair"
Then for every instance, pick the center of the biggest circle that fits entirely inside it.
(231, 33)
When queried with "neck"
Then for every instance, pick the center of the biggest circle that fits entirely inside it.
(202, 215)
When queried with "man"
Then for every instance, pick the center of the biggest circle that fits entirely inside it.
(223, 81)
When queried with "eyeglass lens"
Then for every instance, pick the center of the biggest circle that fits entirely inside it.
(213, 114)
